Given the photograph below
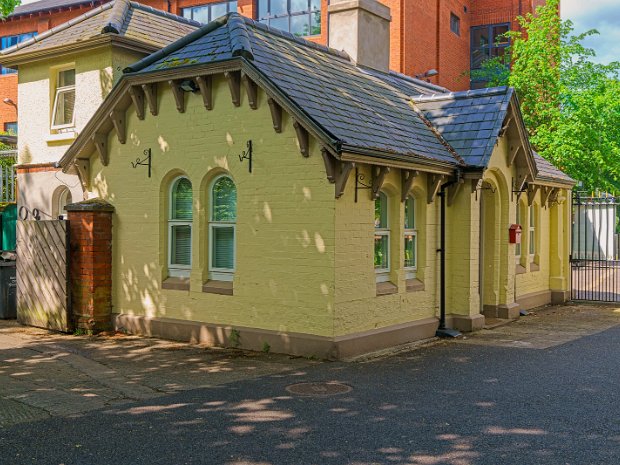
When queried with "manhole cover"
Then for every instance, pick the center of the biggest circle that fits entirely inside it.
(318, 389)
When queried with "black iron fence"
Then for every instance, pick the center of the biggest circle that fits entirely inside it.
(595, 252)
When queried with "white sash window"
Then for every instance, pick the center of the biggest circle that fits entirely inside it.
(222, 229)
(63, 114)
(180, 228)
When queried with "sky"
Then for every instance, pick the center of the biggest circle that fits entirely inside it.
(602, 15)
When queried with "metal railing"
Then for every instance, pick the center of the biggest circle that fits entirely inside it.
(595, 264)
(7, 175)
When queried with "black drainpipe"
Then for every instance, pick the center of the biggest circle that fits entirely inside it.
(442, 331)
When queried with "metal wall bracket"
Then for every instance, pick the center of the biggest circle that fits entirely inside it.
(516, 190)
(359, 184)
(146, 161)
(247, 155)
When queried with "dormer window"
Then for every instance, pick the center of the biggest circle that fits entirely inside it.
(63, 114)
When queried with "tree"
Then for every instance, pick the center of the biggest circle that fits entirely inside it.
(570, 105)
(7, 7)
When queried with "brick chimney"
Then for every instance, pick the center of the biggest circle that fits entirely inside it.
(362, 29)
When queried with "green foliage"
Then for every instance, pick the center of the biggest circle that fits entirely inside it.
(570, 105)
(266, 347)
(495, 71)
(82, 332)
(7, 7)
(234, 338)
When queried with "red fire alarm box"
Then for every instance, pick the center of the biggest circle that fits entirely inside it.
(515, 234)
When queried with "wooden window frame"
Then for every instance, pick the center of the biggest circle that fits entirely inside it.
(57, 92)
(532, 232)
(383, 274)
(221, 274)
(175, 270)
(410, 271)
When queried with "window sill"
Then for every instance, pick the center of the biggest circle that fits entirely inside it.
(218, 287)
(386, 288)
(414, 285)
(61, 137)
(520, 269)
(176, 284)
(534, 267)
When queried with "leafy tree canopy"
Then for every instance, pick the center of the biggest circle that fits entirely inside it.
(570, 104)
(7, 7)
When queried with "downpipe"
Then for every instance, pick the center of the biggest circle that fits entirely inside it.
(442, 331)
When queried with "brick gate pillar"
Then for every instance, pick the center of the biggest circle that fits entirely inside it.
(90, 239)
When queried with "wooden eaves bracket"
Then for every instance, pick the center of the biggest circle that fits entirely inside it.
(434, 182)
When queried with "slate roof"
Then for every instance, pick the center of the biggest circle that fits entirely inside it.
(44, 5)
(361, 108)
(546, 170)
(124, 18)
(470, 120)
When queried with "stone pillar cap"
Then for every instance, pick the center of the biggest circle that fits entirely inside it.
(90, 205)
(372, 6)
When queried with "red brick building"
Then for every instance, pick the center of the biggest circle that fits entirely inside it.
(447, 36)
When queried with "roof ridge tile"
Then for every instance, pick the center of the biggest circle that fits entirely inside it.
(464, 94)
(117, 17)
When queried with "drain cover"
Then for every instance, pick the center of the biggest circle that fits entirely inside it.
(318, 389)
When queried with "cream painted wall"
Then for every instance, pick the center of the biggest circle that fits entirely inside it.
(285, 229)
(462, 255)
(357, 306)
(36, 90)
(552, 236)
(40, 190)
(96, 72)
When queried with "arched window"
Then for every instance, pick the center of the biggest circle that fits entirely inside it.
(64, 199)
(382, 238)
(222, 229)
(411, 238)
(532, 231)
(180, 228)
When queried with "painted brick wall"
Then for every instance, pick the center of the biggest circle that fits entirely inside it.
(284, 279)
(357, 306)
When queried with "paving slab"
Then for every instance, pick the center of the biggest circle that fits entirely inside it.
(549, 326)
(46, 374)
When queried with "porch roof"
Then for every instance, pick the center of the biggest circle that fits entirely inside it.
(547, 171)
(470, 120)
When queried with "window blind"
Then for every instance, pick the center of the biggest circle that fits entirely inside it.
(223, 247)
(181, 245)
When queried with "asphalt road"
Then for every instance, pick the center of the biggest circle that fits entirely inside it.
(452, 403)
